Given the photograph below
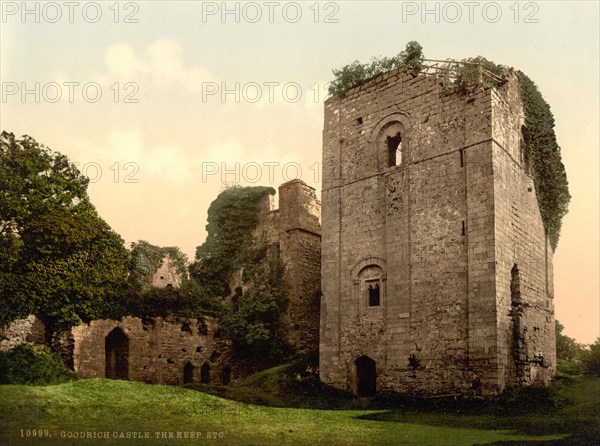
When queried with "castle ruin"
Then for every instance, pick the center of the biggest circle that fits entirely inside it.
(179, 350)
(293, 231)
(167, 274)
(436, 269)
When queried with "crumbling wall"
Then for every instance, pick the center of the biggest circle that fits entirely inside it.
(167, 274)
(158, 348)
(524, 281)
(30, 330)
(294, 232)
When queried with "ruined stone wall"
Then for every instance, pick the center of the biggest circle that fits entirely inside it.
(423, 230)
(167, 274)
(524, 277)
(293, 230)
(158, 348)
(29, 330)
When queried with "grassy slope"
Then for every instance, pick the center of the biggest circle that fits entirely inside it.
(103, 405)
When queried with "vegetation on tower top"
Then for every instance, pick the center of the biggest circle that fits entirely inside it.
(542, 152)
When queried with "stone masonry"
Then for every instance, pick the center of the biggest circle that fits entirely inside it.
(167, 274)
(178, 350)
(172, 350)
(294, 232)
(29, 330)
(436, 270)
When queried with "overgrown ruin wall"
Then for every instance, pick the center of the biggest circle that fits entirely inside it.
(294, 231)
(172, 350)
(29, 330)
(167, 274)
(419, 244)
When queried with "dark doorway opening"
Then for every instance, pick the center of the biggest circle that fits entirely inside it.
(226, 376)
(116, 347)
(366, 376)
(205, 374)
(188, 373)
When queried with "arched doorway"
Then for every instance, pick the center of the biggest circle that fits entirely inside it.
(116, 347)
(205, 374)
(366, 376)
(188, 373)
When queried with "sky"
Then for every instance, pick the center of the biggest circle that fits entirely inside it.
(163, 104)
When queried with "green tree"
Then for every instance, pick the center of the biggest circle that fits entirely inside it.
(591, 359)
(567, 348)
(412, 57)
(190, 299)
(60, 260)
(470, 72)
(255, 321)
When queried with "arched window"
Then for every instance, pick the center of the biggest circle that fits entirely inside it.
(371, 285)
(366, 376)
(188, 373)
(394, 145)
(205, 374)
(391, 142)
(116, 349)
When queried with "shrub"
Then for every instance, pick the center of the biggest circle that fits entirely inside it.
(568, 369)
(591, 359)
(356, 73)
(25, 364)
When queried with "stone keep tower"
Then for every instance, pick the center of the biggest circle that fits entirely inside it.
(436, 270)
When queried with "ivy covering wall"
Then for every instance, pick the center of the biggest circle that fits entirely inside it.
(544, 156)
(147, 258)
(232, 217)
(253, 320)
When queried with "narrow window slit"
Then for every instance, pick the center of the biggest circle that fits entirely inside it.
(394, 144)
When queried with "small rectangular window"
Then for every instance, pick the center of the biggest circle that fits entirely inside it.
(374, 293)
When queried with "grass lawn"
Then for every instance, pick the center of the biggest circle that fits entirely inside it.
(103, 407)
